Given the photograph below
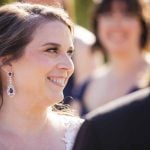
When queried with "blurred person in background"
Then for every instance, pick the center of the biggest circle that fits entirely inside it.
(122, 34)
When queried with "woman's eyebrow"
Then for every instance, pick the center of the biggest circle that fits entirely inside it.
(57, 44)
(51, 44)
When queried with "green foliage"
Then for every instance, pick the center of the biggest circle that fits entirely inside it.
(5, 1)
(83, 10)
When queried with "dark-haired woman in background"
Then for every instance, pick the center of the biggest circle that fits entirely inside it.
(122, 35)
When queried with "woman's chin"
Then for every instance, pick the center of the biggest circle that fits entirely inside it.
(56, 99)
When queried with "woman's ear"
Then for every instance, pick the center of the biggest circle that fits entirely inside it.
(4, 64)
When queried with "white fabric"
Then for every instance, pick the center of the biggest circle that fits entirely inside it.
(72, 125)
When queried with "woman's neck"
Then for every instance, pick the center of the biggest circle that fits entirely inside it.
(128, 65)
(22, 120)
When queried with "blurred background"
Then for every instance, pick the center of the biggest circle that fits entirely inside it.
(79, 10)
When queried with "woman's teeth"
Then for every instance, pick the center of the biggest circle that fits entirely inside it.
(57, 81)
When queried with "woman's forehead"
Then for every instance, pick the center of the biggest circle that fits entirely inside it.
(118, 5)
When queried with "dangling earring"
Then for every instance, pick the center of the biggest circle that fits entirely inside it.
(10, 87)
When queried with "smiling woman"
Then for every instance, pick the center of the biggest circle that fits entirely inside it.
(122, 35)
(36, 45)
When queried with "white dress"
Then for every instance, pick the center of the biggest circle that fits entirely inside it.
(72, 126)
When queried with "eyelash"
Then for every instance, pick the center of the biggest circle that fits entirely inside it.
(55, 50)
(52, 50)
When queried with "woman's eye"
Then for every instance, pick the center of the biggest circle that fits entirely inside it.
(70, 53)
(52, 50)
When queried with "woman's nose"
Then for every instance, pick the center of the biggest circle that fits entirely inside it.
(119, 18)
(66, 63)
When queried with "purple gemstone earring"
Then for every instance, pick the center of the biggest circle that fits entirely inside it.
(10, 87)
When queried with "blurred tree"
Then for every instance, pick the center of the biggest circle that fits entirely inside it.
(83, 12)
(5, 1)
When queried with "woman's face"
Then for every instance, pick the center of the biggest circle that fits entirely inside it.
(119, 31)
(43, 71)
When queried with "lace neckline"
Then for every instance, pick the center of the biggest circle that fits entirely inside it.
(72, 125)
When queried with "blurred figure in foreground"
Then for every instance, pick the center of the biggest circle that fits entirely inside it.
(122, 33)
(120, 125)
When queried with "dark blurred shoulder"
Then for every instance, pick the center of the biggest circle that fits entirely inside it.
(125, 104)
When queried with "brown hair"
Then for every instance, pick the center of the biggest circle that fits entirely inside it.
(134, 7)
(18, 21)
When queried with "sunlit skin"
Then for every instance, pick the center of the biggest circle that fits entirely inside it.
(40, 76)
(43, 71)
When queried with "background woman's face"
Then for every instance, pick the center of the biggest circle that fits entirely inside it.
(119, 31)
(43, 71)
